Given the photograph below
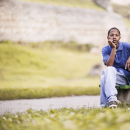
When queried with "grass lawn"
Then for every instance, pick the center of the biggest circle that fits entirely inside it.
(68, 119)
(37, 72)
(70, 3)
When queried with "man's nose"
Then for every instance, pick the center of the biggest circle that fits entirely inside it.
(114, 36)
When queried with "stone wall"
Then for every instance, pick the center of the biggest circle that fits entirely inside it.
(128, 30)
(106, 4)
(121, 2)
(32, 22)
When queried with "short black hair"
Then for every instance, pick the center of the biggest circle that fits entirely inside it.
(114, 28)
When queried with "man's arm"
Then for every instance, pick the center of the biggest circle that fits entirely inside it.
(111, 59)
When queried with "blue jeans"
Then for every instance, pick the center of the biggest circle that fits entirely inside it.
(109, 79)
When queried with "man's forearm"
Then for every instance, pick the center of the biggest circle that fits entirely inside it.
(111, 59)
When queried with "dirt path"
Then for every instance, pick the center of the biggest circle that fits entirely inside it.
(14, 106)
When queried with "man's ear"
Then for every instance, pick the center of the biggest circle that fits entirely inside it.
(107, 37)
(120, 38)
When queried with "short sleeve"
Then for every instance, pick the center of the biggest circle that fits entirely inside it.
(127, 45)
(105, 54)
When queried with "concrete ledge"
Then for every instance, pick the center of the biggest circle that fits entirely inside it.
(124, 95)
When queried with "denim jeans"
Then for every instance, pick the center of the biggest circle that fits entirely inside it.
(109, 79)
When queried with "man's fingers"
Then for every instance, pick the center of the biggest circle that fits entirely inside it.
(113, 44)
(126, 66)
(110, 41)
(129, 66)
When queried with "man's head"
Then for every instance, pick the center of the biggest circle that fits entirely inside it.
(115, 35)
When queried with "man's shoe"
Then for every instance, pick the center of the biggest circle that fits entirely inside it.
(112, 104)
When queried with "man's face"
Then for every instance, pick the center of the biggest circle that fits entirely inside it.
(114, 36)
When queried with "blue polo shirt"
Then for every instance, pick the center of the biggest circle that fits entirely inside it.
(121, 56)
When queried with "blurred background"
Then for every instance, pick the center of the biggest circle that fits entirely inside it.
(53, 47)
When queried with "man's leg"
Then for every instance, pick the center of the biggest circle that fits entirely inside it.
(103, 99)
(121, 78)
(108, 90)
(109, 79)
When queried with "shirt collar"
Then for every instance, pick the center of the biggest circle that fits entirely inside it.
(120, 47)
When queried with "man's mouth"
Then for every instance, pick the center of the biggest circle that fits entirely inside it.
(114, 41)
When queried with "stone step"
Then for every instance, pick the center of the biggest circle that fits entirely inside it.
(123, 93)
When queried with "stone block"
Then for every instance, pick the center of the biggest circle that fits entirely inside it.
(124, 95)
(106, 4)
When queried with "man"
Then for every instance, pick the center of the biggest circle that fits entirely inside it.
(116, 56)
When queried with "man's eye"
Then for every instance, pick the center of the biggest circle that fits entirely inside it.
(117, 35)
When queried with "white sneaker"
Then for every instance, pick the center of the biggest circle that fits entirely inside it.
(112, 104)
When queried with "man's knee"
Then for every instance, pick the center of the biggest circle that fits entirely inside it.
(102, 78)
(110, 69)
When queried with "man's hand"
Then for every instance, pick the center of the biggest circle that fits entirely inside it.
(110, 42)
(128, 64)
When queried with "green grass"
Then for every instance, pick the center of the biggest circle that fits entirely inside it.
(52, 63)
(43, 92)
(68, 119)
(36, 72)
(70, 3)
